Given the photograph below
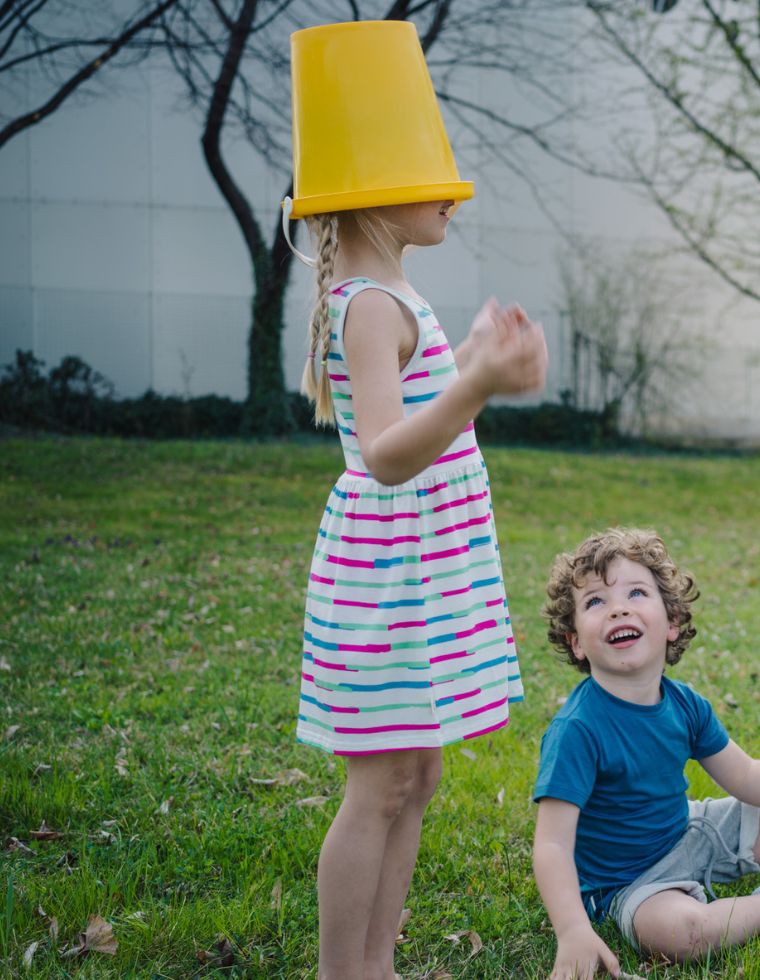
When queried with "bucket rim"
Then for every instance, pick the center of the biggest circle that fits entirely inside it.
(459, 190)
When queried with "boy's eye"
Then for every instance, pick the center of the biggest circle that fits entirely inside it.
(593, 601)
(637, 591)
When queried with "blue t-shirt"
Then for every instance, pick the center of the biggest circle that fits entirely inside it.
(622, 765)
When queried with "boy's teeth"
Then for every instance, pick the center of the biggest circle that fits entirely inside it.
(625, 634)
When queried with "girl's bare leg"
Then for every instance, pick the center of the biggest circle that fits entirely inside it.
(351, 861)
(400, 857)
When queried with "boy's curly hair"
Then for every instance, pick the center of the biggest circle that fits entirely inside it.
(594, 557)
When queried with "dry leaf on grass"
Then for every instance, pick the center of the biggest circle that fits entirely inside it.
(630, 976)
(4, 665)
(468, 754)
(500, 797)
(14, 844)
(44, 833)
(288, 777)
(98, 937)
(405, 916)
(276, 897)
(29, 952)
(51, 921)
(222, 955)
(120, 763)
(11, 730)
(475, 941)
(313, 801)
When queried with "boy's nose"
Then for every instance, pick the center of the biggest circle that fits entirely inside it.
(621, 609)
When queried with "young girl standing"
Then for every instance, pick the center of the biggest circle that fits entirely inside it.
(408, 645)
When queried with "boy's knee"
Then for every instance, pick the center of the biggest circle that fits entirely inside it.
(678, 937)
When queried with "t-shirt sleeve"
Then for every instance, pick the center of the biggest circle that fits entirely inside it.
(708, 733)
(569, 758)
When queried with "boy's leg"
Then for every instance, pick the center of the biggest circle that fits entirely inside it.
(680, 927)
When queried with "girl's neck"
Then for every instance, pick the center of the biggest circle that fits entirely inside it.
(359, 257)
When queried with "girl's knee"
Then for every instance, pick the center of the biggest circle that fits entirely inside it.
(429, 773)
(399, 780)
(391, 786)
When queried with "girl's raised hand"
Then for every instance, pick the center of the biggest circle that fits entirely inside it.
(508, 353)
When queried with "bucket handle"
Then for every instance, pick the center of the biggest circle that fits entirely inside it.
(287, 208)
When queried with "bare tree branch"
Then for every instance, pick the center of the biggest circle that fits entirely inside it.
(31, 118)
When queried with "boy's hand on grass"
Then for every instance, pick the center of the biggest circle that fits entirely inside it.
(581, 955)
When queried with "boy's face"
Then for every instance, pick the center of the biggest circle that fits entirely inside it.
(621, 626)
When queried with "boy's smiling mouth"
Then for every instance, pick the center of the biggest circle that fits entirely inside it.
(623, 634)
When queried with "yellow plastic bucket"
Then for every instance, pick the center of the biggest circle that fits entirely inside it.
(367, 130)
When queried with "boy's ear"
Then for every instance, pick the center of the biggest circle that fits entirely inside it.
(673, 632)
(575, 646)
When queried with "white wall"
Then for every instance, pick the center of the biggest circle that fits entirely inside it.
(116, 246)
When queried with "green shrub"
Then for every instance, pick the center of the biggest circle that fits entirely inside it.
(74, 398)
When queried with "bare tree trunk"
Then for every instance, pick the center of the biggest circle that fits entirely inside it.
(267, 410)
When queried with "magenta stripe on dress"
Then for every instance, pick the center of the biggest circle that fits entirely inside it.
(320, 578)
(460, 501)
(383, 542)
(451, 456)
(365, 647)
(328, 665)
(448, 656)
(473, 522)
(487, 624)
(388, 728)
(485, 707)
(354, 516)
(402, 748)
(407, 625)
(447, 553)
(485, 731)
(466, 694)
(349, 562)
(466, 588)
(432, 351)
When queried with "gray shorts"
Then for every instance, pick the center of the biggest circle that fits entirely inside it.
(716, 846)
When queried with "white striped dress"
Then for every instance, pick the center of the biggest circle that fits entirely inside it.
(407, 639)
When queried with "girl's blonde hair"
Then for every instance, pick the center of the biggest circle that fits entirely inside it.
(594, 557)
(315, 383)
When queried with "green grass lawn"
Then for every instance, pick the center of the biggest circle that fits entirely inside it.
(150, 643)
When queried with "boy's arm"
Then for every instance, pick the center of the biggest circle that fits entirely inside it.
(579, 949)
(737, 772)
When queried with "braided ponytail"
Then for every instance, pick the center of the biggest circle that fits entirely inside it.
(316, 385)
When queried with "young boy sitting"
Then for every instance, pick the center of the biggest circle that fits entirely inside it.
(616, 834)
